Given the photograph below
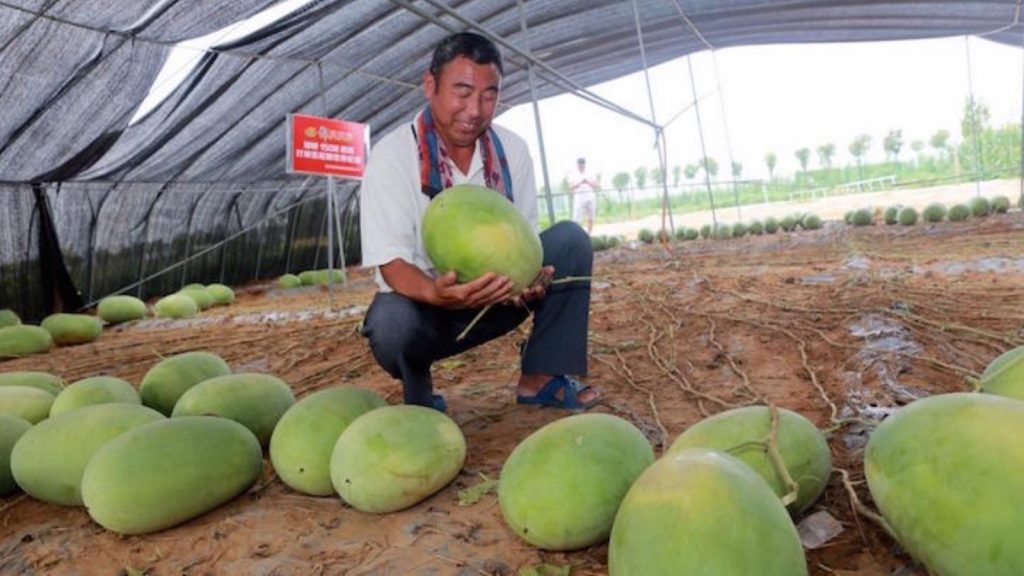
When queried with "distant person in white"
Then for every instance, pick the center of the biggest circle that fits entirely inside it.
(583, 187)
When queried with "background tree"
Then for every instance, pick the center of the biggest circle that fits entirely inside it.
(892, 143)
(710, 165)
(691, 171)
(917, 146)
(770, 159)
(974, 119)
(858, 148)
(640, 177)
(677, 172)
(620, 181)
(803, 155)
(825, 153)
(657, 176)
(939, 141)
(973, 128)
(737, 170)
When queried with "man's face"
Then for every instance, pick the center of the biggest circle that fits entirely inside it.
(463, 98)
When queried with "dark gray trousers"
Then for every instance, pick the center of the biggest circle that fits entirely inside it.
(406, 336)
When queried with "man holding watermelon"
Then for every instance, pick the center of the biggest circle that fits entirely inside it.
(417, 314)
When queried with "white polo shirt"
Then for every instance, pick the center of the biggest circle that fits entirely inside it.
(391, 202)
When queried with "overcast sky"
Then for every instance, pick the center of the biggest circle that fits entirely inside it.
(778, 99)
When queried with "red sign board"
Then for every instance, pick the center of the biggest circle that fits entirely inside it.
(326, 146)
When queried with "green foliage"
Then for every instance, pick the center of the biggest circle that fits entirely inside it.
(771, 225)
(705, 231)
(934, 212)
(646, 236)
(599, 243)
(621, 181)
(788, 222)
(691, 234)
(770, 159)
(664, 236)
(803, 155)
(825, 154)
(739, 230)
(908, 216)
(723, 231)
(859, 146)
(892, 143)
(979, 206)
(848, 217)
(756, 227)
(640, 176)
(811, 222)
(959, 212)
(863, 217)
(891, 214)
(1000, 204)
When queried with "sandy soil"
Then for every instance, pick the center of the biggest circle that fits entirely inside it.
(832, 323)
(829, 208)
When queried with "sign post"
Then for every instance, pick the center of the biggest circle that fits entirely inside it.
(332, 148)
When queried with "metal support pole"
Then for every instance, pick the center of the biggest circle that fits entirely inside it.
(658, 130)
(703, 147)
(536, 115)
(341, 240)
(974, 120)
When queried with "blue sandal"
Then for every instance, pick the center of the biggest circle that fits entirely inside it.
(547, 396)
(439, 404)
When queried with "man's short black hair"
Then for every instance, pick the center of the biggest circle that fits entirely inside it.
(467, 44)
(581, 160)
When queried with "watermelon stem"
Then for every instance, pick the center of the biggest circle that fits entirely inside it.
(863, 510)
(567, 279)
(476, 319)
(772, 444)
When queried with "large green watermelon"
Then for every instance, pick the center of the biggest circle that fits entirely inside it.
(802, 446)
(474, 230)
(43, 380)
(304, 438)
(394, 457)
(11, 429)
(69, 329)
(49, 460)
(166, 472)
(947, 472)
(1004, 376)
(94, 390)
(117, 309)
(257, 401)
(165, 382)
(22, 340)
(561, 486)
(701, 512)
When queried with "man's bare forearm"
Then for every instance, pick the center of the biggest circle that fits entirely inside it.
(409, 281)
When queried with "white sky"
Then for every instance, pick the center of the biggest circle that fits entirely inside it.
(780, 98)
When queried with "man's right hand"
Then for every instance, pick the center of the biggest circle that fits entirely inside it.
(483, 291)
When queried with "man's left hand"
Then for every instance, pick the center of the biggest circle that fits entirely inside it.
(536, 290)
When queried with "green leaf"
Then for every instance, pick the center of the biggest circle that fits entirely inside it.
(473, 494)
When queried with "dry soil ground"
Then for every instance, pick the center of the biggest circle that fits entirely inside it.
(834, 324)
